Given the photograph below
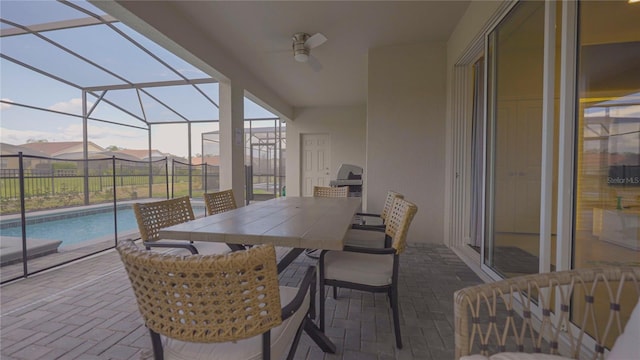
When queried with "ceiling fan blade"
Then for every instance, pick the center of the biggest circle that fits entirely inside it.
(314, 63)
(315, 40)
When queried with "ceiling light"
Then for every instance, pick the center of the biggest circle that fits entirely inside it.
(300, 51)
(634, 1)
(301, 56)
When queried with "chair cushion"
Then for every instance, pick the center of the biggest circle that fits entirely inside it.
(364, 238)
(281, 338)
(204, 248)
(515, 356)
(627, 345)
(207, 247)
(367, 269)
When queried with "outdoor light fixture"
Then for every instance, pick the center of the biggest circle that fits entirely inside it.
(303, 43)
(300, 51)
(301, 57)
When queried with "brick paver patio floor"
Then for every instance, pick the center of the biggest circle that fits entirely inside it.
(86, 310)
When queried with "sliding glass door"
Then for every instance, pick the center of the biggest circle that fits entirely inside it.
(606, 223)
(515, 76)
(607, 203)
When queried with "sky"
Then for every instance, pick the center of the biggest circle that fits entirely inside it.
(108, 49)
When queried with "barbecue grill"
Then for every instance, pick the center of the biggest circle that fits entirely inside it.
(349, 175)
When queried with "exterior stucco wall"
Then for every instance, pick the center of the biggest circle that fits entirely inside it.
(406, 132)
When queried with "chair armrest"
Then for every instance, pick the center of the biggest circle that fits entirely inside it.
(380, 228)
(367, 250)
(308, 283)
(368, 214)
(190, 247)
(487, 317)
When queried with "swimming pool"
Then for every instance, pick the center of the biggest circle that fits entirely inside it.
(75, 227)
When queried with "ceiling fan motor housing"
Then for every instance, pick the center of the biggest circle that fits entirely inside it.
(300, 52)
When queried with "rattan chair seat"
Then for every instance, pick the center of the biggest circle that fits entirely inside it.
(198, 303)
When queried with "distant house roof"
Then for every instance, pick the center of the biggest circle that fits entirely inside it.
(9, 149)
(74, 150)
(61, 147)
(142, 154)
(209, 160)
(96, 155)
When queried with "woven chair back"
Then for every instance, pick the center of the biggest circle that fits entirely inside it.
(573, 304)
(398, 221)
(332, 192)
(219, 202)
(205, 298)
(388, 203)
(153, 216)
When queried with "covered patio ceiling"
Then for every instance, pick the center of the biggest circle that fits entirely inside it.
(252, 40)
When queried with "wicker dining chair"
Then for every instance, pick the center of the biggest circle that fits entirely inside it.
(218, 306)
(154, 216)
(326, 192)
(330, 191)
(219, 202)
(518, 318)
(370, 269)
(368, 228)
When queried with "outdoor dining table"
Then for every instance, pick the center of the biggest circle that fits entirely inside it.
(298, 223)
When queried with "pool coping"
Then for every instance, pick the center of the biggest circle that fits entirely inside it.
(11, 248)
(58, 210)
(85, 207)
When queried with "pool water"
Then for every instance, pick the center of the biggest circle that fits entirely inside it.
(76, 229)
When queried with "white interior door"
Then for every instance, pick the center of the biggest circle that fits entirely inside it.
(316, 160)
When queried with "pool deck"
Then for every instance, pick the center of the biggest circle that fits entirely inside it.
(87, 310)
(11, 248)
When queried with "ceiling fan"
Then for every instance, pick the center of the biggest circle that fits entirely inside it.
(302, 45)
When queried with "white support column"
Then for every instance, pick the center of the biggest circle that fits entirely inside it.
(232, 140)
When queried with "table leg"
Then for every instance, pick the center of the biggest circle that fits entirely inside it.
(319, 337)
(236, 247)
(288, 259)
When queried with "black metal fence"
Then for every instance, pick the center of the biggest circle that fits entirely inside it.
(194, 180)
(51, 183)
(58, 192)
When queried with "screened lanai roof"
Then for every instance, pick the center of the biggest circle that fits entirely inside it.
(79, 46)
(64, 48)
